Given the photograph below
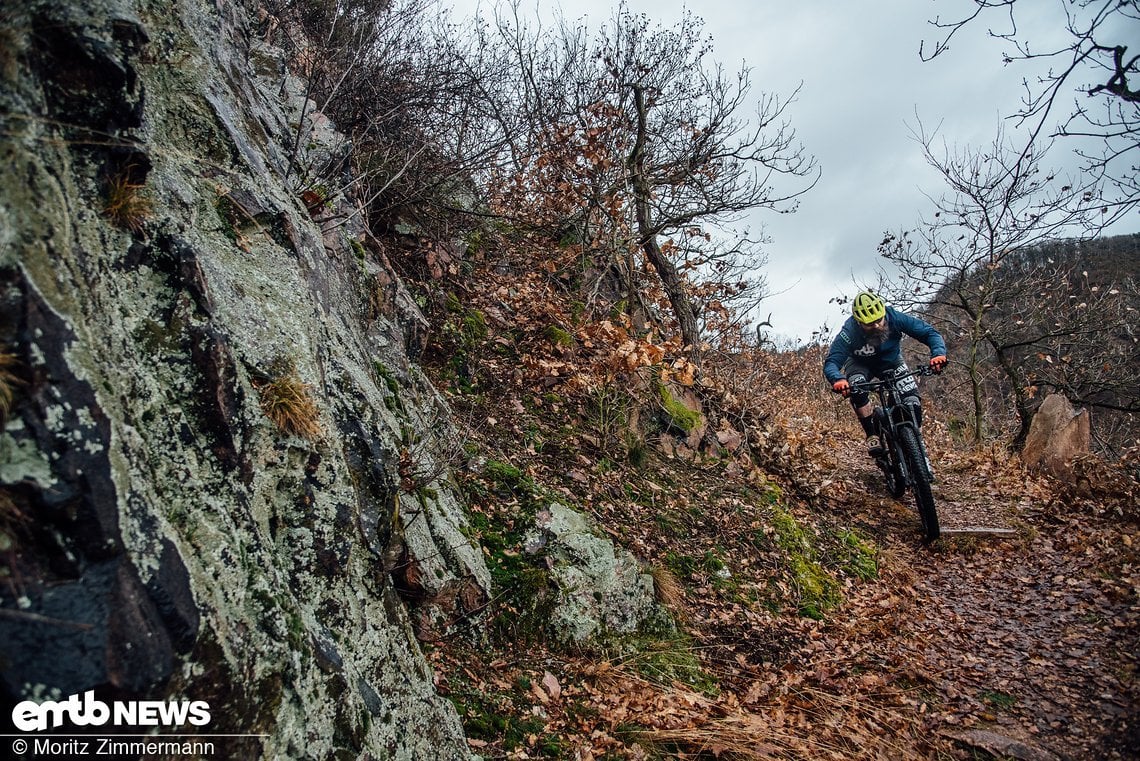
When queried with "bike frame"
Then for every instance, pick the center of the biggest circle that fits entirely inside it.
(905, 464)
(891, 413)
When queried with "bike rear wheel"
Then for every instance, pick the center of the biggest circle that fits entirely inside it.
(919, 481)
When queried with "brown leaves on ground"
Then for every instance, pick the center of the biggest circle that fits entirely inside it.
(1027, 637)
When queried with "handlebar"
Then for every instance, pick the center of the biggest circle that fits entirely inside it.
(870, 386)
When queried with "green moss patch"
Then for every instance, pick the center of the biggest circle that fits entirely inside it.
(678, 415)
(523, 588)
(815, 590)
(665, 658)
(856, 556)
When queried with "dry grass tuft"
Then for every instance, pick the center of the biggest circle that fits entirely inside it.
(10, 514)
(288, 402)
(669, 591)
(8, 381)
(15, 34)
(125, 204)
(807, 723)
(724, 739)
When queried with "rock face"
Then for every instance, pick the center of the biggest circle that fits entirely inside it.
(600, 590)
(161, 536)
(1057, 434)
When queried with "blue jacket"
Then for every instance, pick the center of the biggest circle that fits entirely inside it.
(852, 342)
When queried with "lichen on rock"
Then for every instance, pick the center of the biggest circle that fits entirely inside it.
(602, 589)
(160, 519)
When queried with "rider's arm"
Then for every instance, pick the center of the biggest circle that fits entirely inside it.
(837, 356)
(923, 331)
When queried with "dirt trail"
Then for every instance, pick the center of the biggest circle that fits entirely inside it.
(1031, 636)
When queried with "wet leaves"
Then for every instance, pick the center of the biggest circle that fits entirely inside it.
(982, 642)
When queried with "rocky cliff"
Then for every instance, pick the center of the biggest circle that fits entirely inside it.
(209, 403)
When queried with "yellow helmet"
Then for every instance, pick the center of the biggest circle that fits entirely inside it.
(868, 308)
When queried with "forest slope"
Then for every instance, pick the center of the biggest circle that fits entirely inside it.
(813, 621)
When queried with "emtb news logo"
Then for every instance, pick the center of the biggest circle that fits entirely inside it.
(30, 716)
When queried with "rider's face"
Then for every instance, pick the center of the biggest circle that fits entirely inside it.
(878, 327)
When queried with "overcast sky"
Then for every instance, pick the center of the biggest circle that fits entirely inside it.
(863, 90)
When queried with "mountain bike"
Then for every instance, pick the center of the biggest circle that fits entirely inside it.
(903, 461)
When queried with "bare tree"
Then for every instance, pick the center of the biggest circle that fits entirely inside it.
(999, 202)
(1095, 63)
(628, 142)
(637, 141)
(419, 100)
(1072, 330)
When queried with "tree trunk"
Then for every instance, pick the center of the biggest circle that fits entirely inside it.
(1021, 399)
(979, 402)
(671, 280)
(977, 331)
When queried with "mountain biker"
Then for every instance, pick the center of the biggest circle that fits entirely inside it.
(868, 345)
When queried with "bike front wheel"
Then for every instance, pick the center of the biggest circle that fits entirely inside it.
(919, 481)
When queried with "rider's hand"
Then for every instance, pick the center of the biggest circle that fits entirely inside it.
(938, 364)
(841, 386)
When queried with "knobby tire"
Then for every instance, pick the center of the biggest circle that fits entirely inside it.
(896, 484)
(920, 482)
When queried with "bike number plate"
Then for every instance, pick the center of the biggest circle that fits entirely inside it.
(906, 385)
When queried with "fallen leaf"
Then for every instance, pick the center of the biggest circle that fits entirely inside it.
(551, 685)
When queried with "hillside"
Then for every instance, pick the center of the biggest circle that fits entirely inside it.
(813, 623)
(1057, 317)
